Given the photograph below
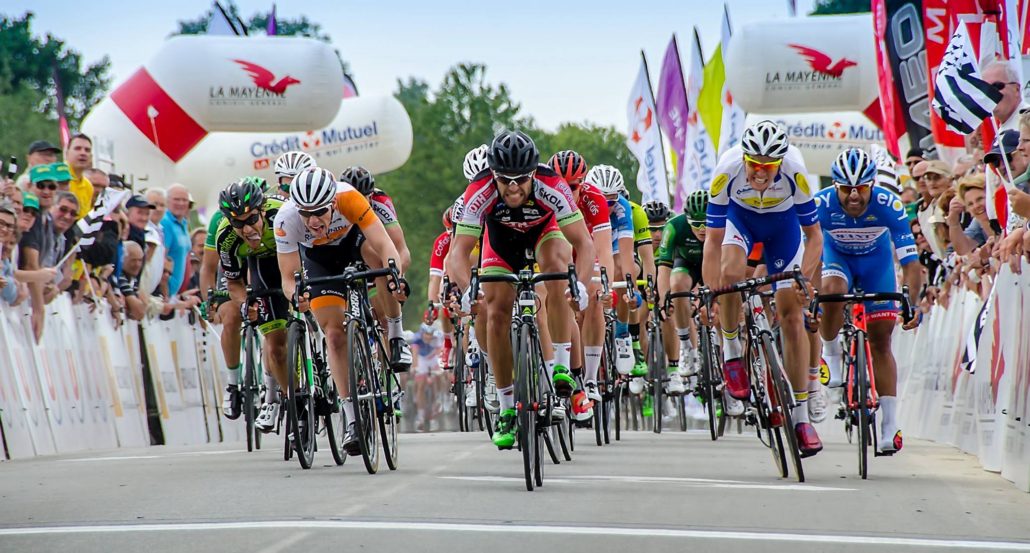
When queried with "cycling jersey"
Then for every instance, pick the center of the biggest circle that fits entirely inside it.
(441, 246)
(681, 249)
(212, 230)
(622, 221)
(382, 205)
(233, 250)
(884, 221)
(641, 232)
(594, 207)
(350, 209)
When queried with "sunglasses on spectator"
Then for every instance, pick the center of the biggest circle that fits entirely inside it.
(249, 221)
(46, 185)
(6, 226)
(313, 213)
(1000, 85)
(31, 211)
(762, 165)
(509, 180)
(67, 210)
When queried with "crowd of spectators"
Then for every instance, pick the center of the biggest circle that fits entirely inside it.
(68, 227)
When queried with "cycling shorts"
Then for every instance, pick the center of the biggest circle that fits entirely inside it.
(681, 265)
(331, 260)
(273, 311)
(872, 272)
(779, 233)
(510, 251)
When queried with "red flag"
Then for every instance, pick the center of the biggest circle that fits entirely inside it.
(891, 120)
(62, 121)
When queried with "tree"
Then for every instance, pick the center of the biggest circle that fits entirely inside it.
(598, 145)
(833, 7)
(28, 62)
(22, 123)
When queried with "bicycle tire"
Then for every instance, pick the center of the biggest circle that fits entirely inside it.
(362, 394)
(681, 413)
(249, 407)
(764, 405)
(709, 391)
(487, 416)
(333, 430)
(656, 368)
(458, 371)
(542, 438)
(617, 399)
(299, 393)
(861, 392)
(526, 426)
(786, 399)
(563, 431)
(388, 419)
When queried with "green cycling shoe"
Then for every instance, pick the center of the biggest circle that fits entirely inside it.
(647, 409)
(504, 431)
(564, 384)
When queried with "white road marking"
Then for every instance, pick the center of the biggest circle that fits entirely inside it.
(943, 543)
(691, 482)
(285, 543)
(136, 457)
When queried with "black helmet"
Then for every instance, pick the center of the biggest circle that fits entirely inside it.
(359, 178)
(240, 197)
(513, 153)
(656, 211)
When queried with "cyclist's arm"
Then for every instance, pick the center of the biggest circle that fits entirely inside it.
(626, 265)
(912, 276)
(577, 234)
(664, 280)
(433, 289)
(397, 237)
(603, 249)
(289, 263)
(711, 263)
(208, 270)
(382, 245)
(813, 250)
(459, 266)
(646, 252)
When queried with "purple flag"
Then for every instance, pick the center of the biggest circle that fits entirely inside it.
(672, 111)
(272, 28)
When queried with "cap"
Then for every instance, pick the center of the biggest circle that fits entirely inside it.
(915, 152)
(43, 146)
(61, 171)
(138, 200)
(939, 167)
(40, 173)
(1007, 141)
(29, 199)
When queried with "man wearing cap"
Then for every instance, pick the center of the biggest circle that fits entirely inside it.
(936, 177)
(138, 211)
(79, 157)
(40, 239)
(29, 211)
(41, 152)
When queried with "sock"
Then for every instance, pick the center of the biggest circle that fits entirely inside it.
(234, 374)
(621, 329)
(577, 372)
(888, 406)
(507, 397)
(271, 389)
(832, 348)
(800, 412)
(674, 366)
(813, 379)
(684, 335)
(634, 331)
(731, 347)
(395, 327)
(592, 357)
(563, 354)
(348, 409)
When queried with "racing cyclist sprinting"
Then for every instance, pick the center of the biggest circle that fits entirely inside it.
(529, 215)
(860, 220)
(760, 193)
(288, 166)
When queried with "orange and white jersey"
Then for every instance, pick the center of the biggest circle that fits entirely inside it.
(350, 208)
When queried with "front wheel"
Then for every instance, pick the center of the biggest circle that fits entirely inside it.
(785, 399)
(362, 393)
(300, 405)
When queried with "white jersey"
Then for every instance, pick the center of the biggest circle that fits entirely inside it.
(789, 189)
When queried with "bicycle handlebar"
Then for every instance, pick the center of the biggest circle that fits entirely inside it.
(528, 277)
(906, 307)
(350, 274)
(757, 282)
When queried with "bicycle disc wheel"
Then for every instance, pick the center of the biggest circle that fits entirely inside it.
(249, 389)
(362, 393)
(300, 405)
(785, 399)
(524, 404)
(388, 419)
(861, 392)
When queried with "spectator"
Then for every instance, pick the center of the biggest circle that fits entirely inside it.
(64, 213)
(38, 243)
(197, 238)
(915, 155)
(970, 198)
(128, 281)
(176, 234)
(1002, 76)
(156, 196)
(41, 152)
(909, 195)
(29, 211)
(79, 157)
(936, 178)
(138, 210)
(942, 228)
(8, 229)
(1020, 198)
(100, 182)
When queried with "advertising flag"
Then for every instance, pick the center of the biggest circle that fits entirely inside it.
(672, 111)
(645, 140)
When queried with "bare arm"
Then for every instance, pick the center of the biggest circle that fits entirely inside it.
(397, 237)
(289, 263)
(458, 264)
(711, 263)
(626, 266)
(603, 249)
(578, 235)
(813, 250)
(208, 271)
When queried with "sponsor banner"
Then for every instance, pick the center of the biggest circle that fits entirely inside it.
(701, 159)
(644, 139)
(672, 114)
(101, 431)
(119, 353)
(906, 50)
(20, 400)
(822, 136)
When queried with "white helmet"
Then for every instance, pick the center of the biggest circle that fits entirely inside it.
(313, 188)
(765, 138)
(475, 161)
(292, 163)
(606, 178)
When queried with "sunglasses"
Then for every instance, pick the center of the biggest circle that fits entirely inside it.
(46, 185)
(248, 222)
(1001, 85)
(656, 228)
(67, 211)
(697, 225)
(30, 211)
(313, 213)
(762, 165)
(509, 180)
(848, 189)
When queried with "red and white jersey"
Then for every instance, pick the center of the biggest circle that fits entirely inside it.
(550, 198)
(441, 246)
(594, 206)
(382, 206)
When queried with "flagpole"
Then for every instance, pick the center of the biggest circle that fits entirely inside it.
(650, 90)
(1004, 154)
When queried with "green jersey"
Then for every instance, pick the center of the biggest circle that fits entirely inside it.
(233, 250)
(679, 242)
(212, 229)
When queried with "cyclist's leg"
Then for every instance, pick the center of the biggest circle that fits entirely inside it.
(400, 351)
(554, 253)
(735, 245)
(592, 334)
(836, 279)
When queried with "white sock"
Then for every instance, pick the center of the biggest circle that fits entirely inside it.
(563, 354)
(800, 412)
(271, 389)
(731, 347)
(832, 348)
(348, 409)
(813, 379)
(888, 408)
(684, 335)
(592, 357)
(507, 397)
(234, 375)
(395, 327)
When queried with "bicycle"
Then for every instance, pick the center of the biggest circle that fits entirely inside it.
(709, 387)
(771, 398)
(252, 385)
(860, 400)
(374, 388)
(533, 403)
(459, 370)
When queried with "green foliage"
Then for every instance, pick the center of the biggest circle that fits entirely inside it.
(27, 63)
(834, 7)
(598, 145)
(22, 123)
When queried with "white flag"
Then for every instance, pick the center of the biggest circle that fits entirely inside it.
(732, 114)
(701, 158)
(961, 97)
(644, 139)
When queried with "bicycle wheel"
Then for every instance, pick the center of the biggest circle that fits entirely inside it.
(564, 432)
(484, 390)
(785, 397)
(524, 399)
(330, 407)
(459, 373)
(362, 393)
(617, 398)
(388, 416)
(681, 413)
(861, 394)
(300, 405)
(765, 407)
(656, 369)
(709, 391)
(249, 389)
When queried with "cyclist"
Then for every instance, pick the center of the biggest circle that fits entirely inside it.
(245, 245)
(592, 204)
(526, 209)
(385, 305)
(760, 194)
(288, 166)
(859, 232)
(327, 226)
(643, 256)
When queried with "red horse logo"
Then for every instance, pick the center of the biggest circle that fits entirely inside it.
(265, 79)
(822, 63)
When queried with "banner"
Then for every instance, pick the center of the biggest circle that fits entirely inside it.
(722, 115)
(906, 51)
(672, 114)
(699, 164)
(644, 139)
(892, 120)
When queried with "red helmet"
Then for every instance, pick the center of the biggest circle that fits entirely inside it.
(447, 221)
(569, 164)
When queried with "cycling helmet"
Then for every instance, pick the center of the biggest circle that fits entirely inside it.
(447, 221)
(696, 206)
(656, 211)
(852, 168)
(260, 182)
(569, 164)
(475, 161)
(606, 178)
(313, 188)
(513, 153)
(240, 197)
(292, 163)
(359, 178)
(765, 138)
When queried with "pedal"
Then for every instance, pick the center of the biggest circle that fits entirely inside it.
(841, 414)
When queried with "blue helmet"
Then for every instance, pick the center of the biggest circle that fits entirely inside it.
(853, 167)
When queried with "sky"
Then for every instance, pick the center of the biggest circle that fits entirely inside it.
(564, 61)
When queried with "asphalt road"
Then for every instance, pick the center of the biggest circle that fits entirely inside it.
(456, 492)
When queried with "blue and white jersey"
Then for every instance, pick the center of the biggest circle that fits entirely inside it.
(884, 221)
(621, 215)
(789, 190)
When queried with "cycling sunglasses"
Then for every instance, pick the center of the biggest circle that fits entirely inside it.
(249, 221)
(313, 213)
(697, 225)
(762, 165)
(848, 189)
(509, 180)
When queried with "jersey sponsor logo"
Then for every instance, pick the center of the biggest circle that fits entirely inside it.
(719, 183)
(883, 199)
(280, 231)
(551, 197)
(870, 218)
(762, 203)
(897, 205)
(479, 199)
(802, 183)
(857, 237)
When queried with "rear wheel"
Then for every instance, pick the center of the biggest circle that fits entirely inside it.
(710, 390)
(332, 416)
(389, 415)
(362, 390)
(656, 369)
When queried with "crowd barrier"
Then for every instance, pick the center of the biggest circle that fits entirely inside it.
(986, 411)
